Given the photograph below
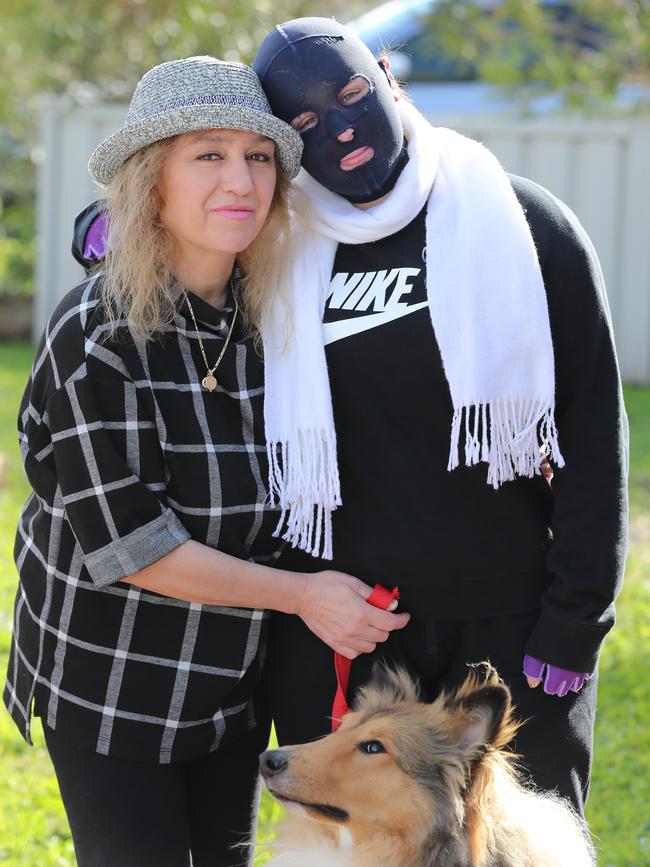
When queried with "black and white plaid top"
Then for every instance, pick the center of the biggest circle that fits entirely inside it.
(128, 457)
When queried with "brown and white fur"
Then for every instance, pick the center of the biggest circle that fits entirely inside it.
(408, 784)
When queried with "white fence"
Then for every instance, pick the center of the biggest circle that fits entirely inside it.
(601, 169)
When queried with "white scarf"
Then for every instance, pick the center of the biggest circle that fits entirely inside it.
(488, 309)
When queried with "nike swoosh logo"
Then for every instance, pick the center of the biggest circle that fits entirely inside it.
(347, 327)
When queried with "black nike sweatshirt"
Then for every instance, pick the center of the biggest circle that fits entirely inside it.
(456, 547)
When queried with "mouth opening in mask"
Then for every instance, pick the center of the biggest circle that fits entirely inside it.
(375, 189)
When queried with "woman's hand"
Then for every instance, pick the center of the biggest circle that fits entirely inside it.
(333, 606)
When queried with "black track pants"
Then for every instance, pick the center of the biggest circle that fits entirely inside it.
(555, 744)
(125, 813)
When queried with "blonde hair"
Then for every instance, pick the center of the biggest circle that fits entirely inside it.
(138, 280)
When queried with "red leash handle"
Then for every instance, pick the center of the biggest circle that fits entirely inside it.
(381, 597)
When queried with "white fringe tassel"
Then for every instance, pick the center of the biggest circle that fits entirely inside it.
(304, 483)
(512, 437)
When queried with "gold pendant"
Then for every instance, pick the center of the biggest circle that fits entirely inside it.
(209, 382)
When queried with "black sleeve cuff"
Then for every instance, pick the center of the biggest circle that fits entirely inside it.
(566, 643)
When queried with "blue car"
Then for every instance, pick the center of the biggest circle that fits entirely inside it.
(444, 84)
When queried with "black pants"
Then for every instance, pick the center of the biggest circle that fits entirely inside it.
(125, 813)
(555, 744)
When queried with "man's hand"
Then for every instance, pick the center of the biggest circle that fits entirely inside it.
(557, 681)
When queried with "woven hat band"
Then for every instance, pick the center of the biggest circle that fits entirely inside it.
(209, 99)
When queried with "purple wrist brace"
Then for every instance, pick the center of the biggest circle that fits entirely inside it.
(557, 681)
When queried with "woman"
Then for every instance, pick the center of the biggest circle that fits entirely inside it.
(139, 623)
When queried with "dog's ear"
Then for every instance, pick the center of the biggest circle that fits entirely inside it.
(482, 710)
(386, 686)
(482, 714)
(394, 682)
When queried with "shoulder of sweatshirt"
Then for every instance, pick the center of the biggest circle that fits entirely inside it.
(554, 226)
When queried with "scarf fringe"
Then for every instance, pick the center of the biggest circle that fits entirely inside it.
(304, 483)
(513, 437)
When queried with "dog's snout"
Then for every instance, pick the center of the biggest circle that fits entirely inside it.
(273, 762)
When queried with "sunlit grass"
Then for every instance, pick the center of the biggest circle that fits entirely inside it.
(33, 829)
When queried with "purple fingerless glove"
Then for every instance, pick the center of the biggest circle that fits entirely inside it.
(558, 681)
(95, 241)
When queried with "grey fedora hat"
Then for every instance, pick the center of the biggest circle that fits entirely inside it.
(195, 93)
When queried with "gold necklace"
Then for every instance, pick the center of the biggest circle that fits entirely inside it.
(209, 381)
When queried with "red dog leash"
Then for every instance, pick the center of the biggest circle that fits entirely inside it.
(381, 597)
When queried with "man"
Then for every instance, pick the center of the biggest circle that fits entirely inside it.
(414, 314)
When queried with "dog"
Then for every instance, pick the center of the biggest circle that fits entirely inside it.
(403, 783)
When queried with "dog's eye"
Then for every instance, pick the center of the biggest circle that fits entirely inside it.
(371, 747)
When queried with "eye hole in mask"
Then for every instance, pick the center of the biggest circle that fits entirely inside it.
(354, 91)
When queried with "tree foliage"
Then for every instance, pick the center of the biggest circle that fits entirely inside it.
(67, 45)
(582, 48)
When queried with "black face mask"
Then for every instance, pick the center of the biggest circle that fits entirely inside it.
(319, 77)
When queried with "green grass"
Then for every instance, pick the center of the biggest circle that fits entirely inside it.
(33, 829)
(618, 804)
